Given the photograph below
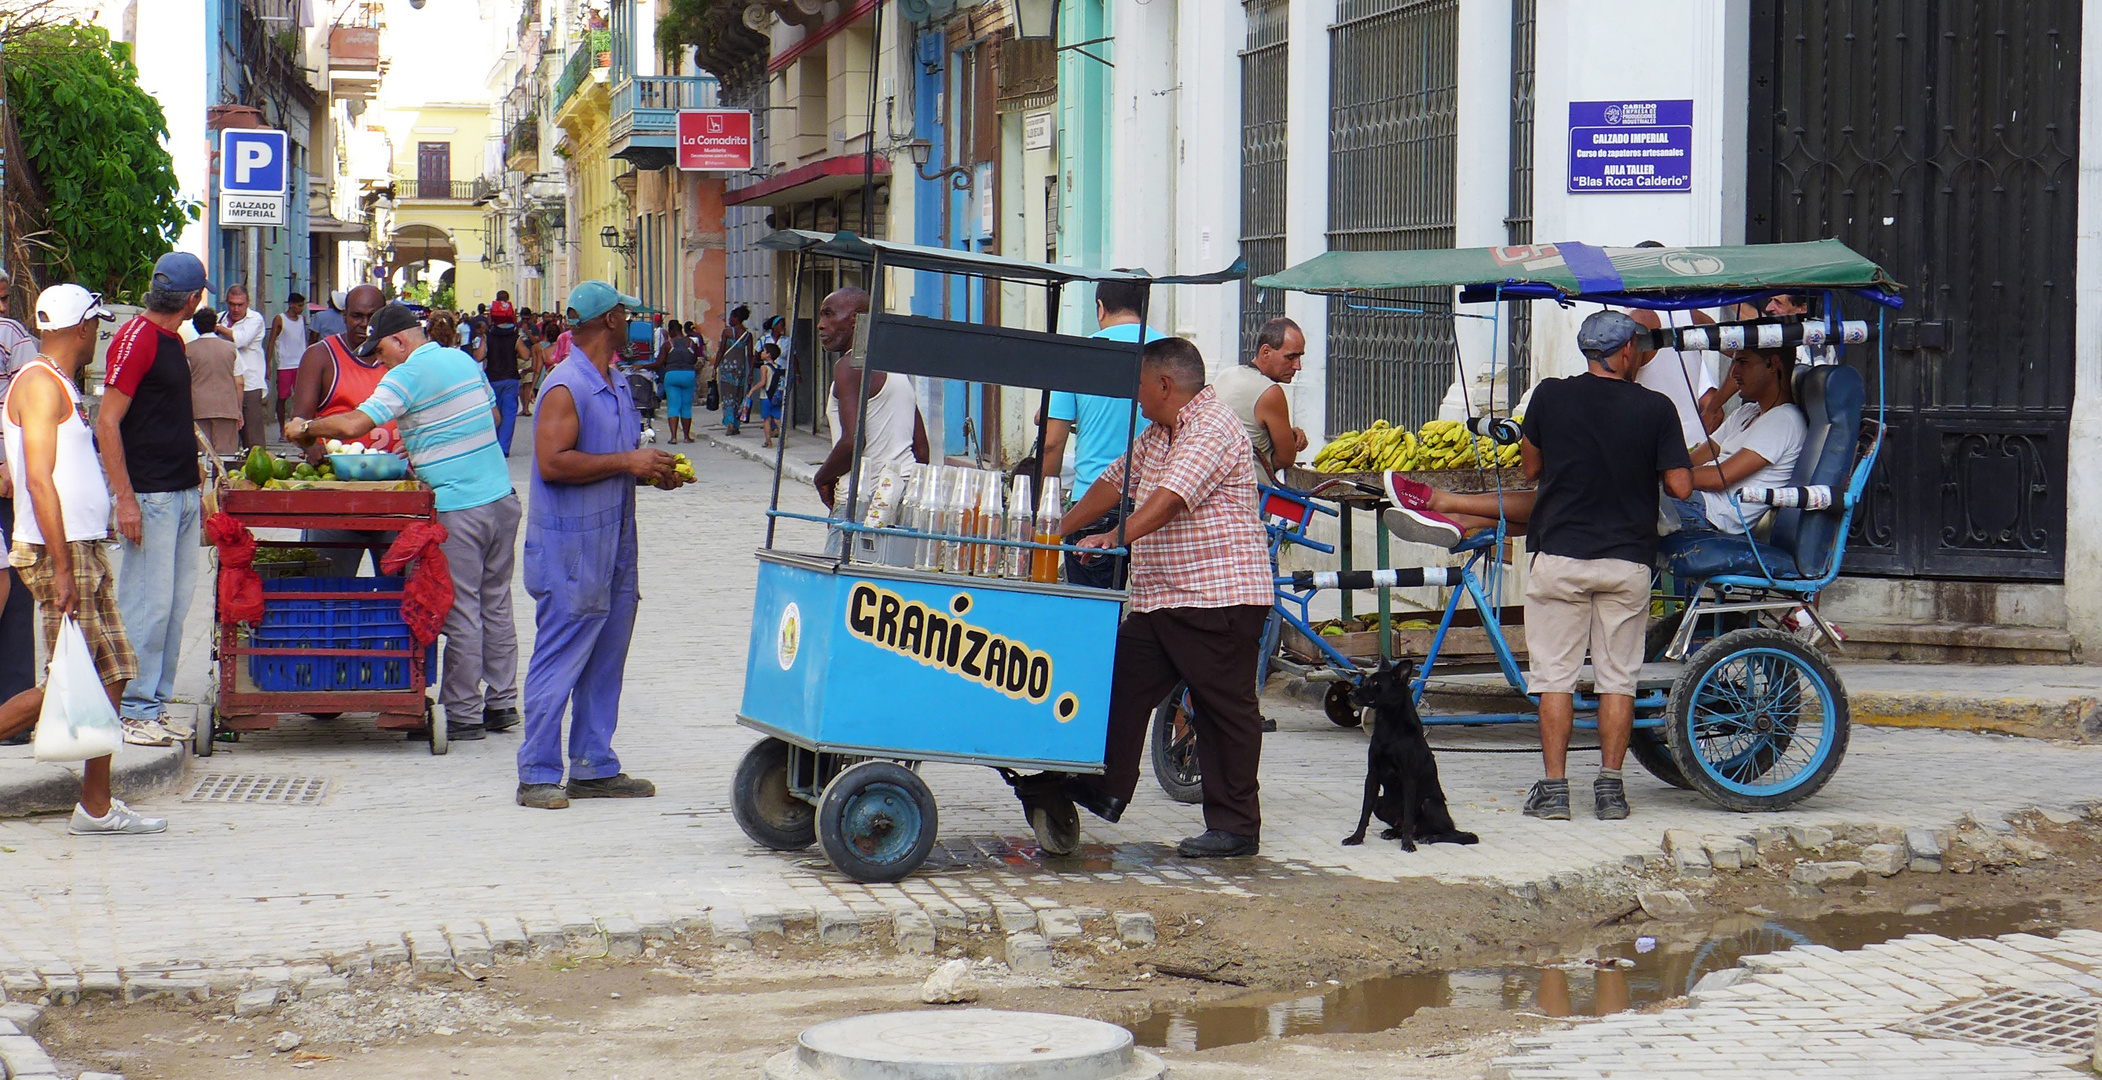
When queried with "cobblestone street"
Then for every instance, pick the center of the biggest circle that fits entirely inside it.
(422, 858)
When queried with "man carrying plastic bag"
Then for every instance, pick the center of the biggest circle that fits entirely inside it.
(52, 461)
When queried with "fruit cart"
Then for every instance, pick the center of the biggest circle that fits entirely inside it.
(866, 662)
(324, 645)
(1751, 716)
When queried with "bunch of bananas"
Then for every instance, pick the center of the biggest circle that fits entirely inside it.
(1441, 444)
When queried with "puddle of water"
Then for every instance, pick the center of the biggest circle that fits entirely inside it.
(1661, 970)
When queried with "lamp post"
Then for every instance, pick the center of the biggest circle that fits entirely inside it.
(956, 177)
(612, 238)
(1035, 20)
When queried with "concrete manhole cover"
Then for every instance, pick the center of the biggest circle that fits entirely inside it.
(965, 1044)
(2058, 1025)
(251, 790)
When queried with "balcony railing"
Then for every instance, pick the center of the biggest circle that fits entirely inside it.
(649, 105)
(410, 187)
(594, 53)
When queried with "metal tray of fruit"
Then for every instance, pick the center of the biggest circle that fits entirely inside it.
(1366, 488)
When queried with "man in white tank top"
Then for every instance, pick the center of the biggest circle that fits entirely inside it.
(896, 430)
(58, 547)
(287, 344)
(1256, 394)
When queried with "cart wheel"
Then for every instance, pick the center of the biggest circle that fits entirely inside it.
(1758, 720)
(1654, 752)
(201, 739)
(876, 821)
(440, 741)
(764, 807)
(1341, 711)
(1175, 748)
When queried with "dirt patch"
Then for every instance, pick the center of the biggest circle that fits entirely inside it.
(696, 1009)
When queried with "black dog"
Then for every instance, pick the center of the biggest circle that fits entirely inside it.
(1401, 775)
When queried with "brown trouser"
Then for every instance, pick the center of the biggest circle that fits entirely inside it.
(1214, 651)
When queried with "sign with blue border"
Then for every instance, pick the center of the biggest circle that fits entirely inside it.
(252, 162)
(1616, 147)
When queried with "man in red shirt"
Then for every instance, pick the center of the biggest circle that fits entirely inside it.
(1201, 589)
(149, 453)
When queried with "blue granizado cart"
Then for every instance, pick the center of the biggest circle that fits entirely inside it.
(871, 656)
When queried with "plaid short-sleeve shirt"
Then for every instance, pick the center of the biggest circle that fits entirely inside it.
(1213, 554)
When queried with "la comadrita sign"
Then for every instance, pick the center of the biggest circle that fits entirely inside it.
(715, 140)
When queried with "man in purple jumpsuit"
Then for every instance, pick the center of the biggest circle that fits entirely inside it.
(580, 559)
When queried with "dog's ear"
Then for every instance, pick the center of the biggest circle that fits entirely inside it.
(1407, 667)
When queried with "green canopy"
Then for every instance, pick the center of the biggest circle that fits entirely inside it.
(846, 245)
(1643, 277)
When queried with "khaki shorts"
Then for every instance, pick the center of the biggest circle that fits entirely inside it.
(95, 609)
(1572, 604)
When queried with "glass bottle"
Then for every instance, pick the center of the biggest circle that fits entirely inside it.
(927, 519)
(1015, 562)
(991, 525)
(956, 514)
(1046, 565)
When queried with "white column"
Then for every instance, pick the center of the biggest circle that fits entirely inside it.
(1208, 108)
(2083, 557)
(1482, 185)
(1145, 160)
(1306, 202)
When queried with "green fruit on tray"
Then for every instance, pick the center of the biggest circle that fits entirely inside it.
(259, 469)
(283, 468)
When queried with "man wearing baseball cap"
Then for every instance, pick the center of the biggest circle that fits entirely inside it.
(580, 559)
(149, 453)
(1597, 444)
(446, 414)
(58, 546)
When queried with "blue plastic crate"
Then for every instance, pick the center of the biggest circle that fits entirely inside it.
(290, 623)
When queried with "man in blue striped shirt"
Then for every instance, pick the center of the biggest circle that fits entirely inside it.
(441, 403)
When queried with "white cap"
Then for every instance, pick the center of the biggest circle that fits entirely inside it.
(62, 306)
(339, 298)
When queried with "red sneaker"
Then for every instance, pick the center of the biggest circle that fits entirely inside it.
(1423, 527)
(1404, 492)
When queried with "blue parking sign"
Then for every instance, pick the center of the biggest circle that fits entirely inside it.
(252, 162)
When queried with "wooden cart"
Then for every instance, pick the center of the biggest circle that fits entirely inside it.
(239, 704)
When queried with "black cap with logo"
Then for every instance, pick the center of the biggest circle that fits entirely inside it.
(387, 322)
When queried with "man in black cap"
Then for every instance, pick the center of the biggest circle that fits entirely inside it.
(1597, 444)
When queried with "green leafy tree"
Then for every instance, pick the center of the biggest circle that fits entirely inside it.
(94, 139)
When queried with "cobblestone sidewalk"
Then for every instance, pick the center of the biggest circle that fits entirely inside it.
(426, 858)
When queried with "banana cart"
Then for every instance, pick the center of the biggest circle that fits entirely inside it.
(860, 666)
(1733, 705)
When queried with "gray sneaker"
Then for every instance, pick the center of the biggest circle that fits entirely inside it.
(121, 819)
(1548, 801)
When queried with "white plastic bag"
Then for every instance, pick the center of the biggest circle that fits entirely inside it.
(77, 722)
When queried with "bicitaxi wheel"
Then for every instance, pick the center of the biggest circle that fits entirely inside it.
(764, 806)
(1342, 711)
(1175, 747)
(876, 821)
(1758, 720)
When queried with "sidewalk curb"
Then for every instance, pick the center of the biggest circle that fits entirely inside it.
(139, 774)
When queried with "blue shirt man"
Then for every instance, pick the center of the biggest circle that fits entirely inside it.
(580, 559)
(438, 400)
(1104, 425)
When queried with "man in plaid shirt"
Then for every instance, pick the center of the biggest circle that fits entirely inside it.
(1200, 591)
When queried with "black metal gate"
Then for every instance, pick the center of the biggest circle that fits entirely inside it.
(1939, 138)
(1264, 107)
(1393, 137)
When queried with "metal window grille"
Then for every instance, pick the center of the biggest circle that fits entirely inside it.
(1518, 225)
(1264, 105)
(1393, 134)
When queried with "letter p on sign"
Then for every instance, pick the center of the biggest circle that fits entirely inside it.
(252, 161)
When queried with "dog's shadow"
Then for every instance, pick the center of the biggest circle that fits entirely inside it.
(1401, 773)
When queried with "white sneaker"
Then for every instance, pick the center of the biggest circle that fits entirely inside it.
(146, 733)
(121, 819)
(178, 730)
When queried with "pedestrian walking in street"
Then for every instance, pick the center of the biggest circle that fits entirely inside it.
(437, 397)
(286, 343)
(334, 380)
(1598, 444)
(733, 367)
(323, 321)
(580, 559)
(443, 328)
(215, 386)
(680, 367)
(767, 384)
(58, 548)
(245, 327)
(1200, 593)
(500, 362)
(896, 432)
(149, 454)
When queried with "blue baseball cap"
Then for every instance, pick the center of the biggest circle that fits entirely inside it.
(179, 271)
(1605, 332)
(592, 299)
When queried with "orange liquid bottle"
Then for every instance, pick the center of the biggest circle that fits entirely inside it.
(1043, 565)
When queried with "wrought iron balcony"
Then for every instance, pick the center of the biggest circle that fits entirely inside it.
(593, 54)
(448, 190)
(644, 130)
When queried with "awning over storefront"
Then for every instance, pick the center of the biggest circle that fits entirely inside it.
(817, 180)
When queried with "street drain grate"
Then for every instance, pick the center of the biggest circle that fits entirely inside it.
(250, 790)
(2054, 1024)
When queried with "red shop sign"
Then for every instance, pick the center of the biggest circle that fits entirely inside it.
(717, 140)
